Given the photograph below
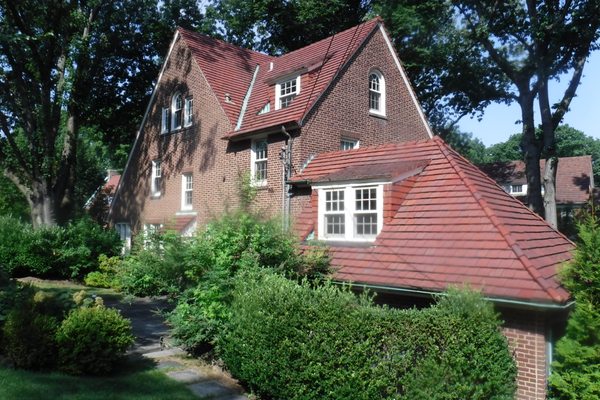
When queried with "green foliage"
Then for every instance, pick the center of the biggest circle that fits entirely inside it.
(106, 276)
(471, 148)
(576, 370)
(233, 243)
(505, 151)
(158, 267)
(91, 340)
(67, 252)
(12, 202)
(301, 341)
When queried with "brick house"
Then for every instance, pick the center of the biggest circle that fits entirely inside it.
(333, 137)
(574, 184)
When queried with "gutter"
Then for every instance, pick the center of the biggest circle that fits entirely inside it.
(428, 293)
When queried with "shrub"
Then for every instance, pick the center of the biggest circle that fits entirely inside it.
(29, 337)
(235, 242)
(12, 232)
(298, 341)
(91, 340)
(106, 276)
(576, 370)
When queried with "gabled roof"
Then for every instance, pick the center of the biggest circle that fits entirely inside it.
(231, 70)
(453, 226)
(574, 177)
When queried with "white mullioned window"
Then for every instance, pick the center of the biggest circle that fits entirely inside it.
(259, 162)
(348, 144)
(376, 93)
(164, 125)
(286, 91)
(188, 112)
(176, 111)
(124, 231)
(156, 178)
(187, 187)
(350, 213)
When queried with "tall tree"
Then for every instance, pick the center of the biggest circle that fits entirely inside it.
(66, 64)
(531, 43)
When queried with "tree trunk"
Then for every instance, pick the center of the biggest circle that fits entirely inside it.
(531, 147)
(42, 205)
(550, 191)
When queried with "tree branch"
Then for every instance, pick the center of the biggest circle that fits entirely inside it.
(563, 106)
(11, 142)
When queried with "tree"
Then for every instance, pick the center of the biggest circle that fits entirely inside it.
(277, 27)
(505, 151)
(68, 64)
(576, 371)
(12, 201)
(471, 148)
(532, 43)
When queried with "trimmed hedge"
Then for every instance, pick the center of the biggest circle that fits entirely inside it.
(296, 341)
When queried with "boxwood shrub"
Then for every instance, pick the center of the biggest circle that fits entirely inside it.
(301, 341)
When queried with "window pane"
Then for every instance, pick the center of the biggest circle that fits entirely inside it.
(188, 111)
(374, 82)
(261, 171)
(335, 225)
(334, 200)
(366, 224)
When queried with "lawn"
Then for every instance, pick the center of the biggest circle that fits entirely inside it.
(133, 382)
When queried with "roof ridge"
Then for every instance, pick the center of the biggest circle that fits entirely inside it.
(194, 33)
(489, 212)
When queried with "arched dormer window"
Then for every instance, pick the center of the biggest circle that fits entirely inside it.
(176, 111)
(376, 93)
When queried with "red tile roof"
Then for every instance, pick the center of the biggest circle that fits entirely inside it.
(453, 226)
(573, 177)
(230, 69)
(110, 187)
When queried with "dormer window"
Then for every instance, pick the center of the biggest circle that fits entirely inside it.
(350, 213)
(286, 91)
(266, 108)
(376, 93)
(176, 111)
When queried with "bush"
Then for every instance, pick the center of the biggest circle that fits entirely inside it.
(106, 276)
(91, 340)
(297, 341)
(28, 337)
(236, 242)
(68, 252)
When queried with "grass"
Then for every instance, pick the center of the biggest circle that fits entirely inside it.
(133, 382)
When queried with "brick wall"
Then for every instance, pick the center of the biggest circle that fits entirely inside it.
(526, 332)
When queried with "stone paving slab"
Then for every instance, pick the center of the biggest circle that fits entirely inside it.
(165, 364)
(211, 388)
(186, 376)
(165, 353)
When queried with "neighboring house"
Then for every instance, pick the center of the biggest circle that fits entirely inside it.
(408, 220)
(219, 111)
(334, 139)
(100, 201)
(574, 183)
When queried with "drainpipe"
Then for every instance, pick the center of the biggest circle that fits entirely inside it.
(286, 157)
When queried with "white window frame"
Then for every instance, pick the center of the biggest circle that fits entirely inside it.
(151, 229)
(257, 159)
(176, 109)
(187, 191)
(124, 231)
(188, 111)
(281, 85)
(350, 211)
(156, 178)
(377, 91)
(164, 122)
(349, 144)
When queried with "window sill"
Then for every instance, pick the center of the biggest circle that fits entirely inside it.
(155, 196)
(377, 115)
(260, 185)
(187, 212)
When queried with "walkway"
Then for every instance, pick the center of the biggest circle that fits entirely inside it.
(152, 341)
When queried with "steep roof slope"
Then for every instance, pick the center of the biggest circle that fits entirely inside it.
(574, 177)
(454, 225)
(227, 68)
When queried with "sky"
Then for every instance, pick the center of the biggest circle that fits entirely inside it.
(498, 121)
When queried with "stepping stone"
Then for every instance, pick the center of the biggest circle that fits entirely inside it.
(186, 376)
(234, 397)
(164, 353)
(169, 365)
(211, 389)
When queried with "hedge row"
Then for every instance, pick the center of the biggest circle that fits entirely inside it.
(57, 252)
(296, 341)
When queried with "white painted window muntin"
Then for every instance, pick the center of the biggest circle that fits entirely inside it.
(187, 194)
(349, 144)
(350, 211)
(259, 161)
(156, 178)
(188, 111)
(376, 93)
(176, 111)
(285, 92)
(164, 123)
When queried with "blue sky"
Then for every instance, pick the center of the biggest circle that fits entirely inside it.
(498, 121)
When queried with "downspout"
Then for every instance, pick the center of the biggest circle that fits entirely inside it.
(286, 157)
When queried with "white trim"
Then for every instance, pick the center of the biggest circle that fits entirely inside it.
(246, 100)
(349, 212)
(164, 120)
(292, 94)
(253, 160)
(380, 110)
(185, 190)
(174, 110)
(354, 142)
(406, 81)
(137, 135)
(156, 174)
(124, 231)
(188, 111)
